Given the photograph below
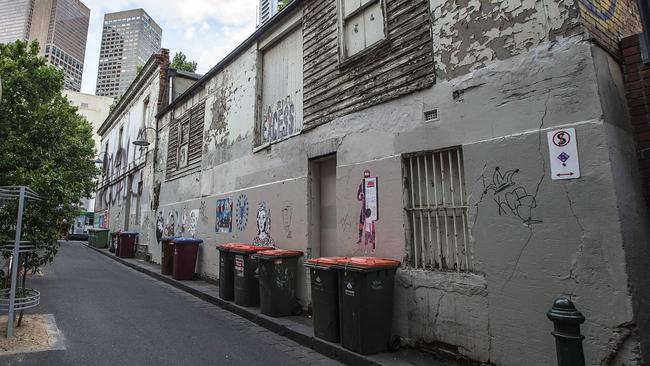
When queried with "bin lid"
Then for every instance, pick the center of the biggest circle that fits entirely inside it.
(324, 261)
(228, 246)
(248, 248)
(127, 233)
(97, 229)
(367, 263)
(278, 253)
(183, 240)
(167, 238)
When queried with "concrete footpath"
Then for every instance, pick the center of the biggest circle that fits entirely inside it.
(296, 328)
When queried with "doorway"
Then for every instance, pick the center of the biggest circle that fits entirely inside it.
(322, 223)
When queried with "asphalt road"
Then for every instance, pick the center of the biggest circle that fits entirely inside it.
(113, 315)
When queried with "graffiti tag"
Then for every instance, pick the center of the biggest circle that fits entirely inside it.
(279, 120)
(516, 202)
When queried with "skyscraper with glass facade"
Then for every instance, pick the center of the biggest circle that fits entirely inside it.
(129, 38)
(60, 26)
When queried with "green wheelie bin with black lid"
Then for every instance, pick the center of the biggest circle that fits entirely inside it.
(325, 297)
(366, 287)
(278, 276)
(247, 285)
(227, 270)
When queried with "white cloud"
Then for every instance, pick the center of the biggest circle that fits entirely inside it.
(205, 30)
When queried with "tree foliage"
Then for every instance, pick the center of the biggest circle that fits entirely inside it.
(179, 62)
(283, 4)
(45, 145)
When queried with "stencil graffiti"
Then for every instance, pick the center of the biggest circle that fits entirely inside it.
(194, 222)
(172, 220)
(183, 224)
(263, 220)
(368, 195)
(160, 225)
(287, 212)
(224, 216)
(511, 199)
(202, 214)
(279, 120)
(241, 212)
(602, 9)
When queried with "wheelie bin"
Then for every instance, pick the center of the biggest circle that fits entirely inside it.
(325, 297)
(366, 303)
(278, 277)
(227, 270)
(185, 252)
(167, 255)
(100, 238)
(126, 244)
(247, 286)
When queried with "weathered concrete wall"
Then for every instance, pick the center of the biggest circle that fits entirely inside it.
(469, 34)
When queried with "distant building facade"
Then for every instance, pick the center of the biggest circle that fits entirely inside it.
(60, 26)
(129, 38)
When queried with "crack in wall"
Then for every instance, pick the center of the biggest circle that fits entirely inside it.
(574, 263)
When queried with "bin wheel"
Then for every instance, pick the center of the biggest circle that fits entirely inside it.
(395, 343)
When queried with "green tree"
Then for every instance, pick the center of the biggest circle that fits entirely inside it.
(283, 4)
(179, 62)
(45, 145)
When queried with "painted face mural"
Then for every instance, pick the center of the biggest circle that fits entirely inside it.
(368, 195)
(170, 228)
(263, 237)
(160, 225)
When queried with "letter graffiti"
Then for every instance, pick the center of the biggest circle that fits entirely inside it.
(516, 202)
(602, 9)
(279, 120)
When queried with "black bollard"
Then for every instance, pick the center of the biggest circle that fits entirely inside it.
(568, 340)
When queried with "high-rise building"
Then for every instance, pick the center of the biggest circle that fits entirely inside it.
(60, 26)
(129, 38)
(268, 8)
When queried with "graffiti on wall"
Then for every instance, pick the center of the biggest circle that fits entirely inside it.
(160, 225)
(602, 9)
(202, 212)
(224, 216)
(279, 120)
(263, 221)
(287, 212)
(172, 220)
(194, 222)
(184, 224)
(511, 198)
(368, 196)
(241, 212)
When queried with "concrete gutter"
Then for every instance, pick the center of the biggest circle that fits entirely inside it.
(300, 333)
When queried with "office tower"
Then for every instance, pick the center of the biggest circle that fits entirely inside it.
(129, 38)
(60, 26)
(268, 8)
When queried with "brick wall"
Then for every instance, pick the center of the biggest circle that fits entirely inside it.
(609, 21)
(637, 89)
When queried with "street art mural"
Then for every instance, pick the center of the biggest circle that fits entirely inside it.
(287, 212)
(194, 222)
(160, 225)
(172, 221)
(184, 224)
(368, 196)
(224, 216)
(279, 120)
(263, 221)
(241, 212)
(603, 10)
(511, 199)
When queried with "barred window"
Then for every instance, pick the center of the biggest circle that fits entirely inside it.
(436, 207)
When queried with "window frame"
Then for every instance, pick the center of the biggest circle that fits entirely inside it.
(344, 58)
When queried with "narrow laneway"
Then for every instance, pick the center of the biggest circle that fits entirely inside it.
(112, 315)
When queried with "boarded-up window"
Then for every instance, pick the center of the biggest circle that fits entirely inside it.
(281, 114)
(363, 25)
(185, 141)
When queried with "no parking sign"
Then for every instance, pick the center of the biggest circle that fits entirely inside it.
(563, 150)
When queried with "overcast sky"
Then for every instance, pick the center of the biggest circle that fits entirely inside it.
(205, 30)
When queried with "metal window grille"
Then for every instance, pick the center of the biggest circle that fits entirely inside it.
(436, 206)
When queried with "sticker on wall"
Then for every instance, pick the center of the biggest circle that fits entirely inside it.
(160, 225)
(563, 150)
(241, 212)
(224, 216)
(368, 195)
(287, 212)
(194, 222)
(263, 221)
(239, 266)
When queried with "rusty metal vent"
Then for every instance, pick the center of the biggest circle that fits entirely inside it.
(431, 115)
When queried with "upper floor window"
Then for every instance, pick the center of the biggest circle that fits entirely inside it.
(363, 25)
(185, 142)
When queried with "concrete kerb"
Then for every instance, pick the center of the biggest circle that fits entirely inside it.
(325, 348)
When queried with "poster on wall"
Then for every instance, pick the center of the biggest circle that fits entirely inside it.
(368, 196)
(224, 216)
(194, 221)
(182, 156)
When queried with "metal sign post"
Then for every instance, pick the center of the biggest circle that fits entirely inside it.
(14, 263)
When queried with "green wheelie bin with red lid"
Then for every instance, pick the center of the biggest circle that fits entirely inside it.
(247, 285)
(278, 277)
(366, 287)
(227, 270)
(325, 297)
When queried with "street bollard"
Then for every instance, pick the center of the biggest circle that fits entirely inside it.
(568, 340)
